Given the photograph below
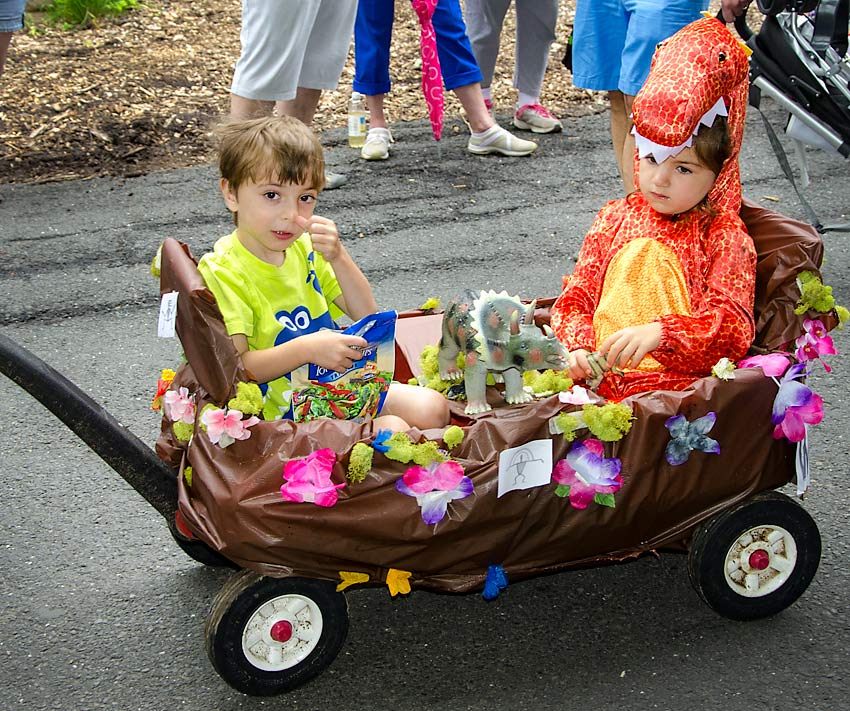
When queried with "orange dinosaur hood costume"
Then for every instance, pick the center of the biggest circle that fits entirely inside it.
(694, 272)
(691, 71)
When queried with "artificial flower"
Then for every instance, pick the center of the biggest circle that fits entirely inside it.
(586, 472)
(795, 406)
(434, 486)
(430, 304)
(772, 364)
(576, 396)
(180, 405)
(724, 369)
(398, 581)
(187, 475)
(309, 479)
(814, 343)
(686, 436)
(495, 582)
(348, 578)
(381, 440)
(162, 385)
(814, 294)
(547, 382)
(224, 428)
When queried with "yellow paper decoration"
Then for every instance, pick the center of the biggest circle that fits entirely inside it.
(349, 578)
(398, 581)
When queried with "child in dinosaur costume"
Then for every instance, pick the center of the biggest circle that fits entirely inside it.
(664, 283)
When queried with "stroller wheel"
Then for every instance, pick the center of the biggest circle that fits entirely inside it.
(755, 559)
(266, 635)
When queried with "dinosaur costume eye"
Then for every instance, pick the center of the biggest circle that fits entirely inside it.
(721, 57)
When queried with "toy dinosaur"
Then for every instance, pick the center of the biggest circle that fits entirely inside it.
(496, 333)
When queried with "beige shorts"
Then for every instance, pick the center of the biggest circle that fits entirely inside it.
(292, 43)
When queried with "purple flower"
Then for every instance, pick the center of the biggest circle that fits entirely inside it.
(686, 436)
(795, 406)
(434, 487)
(585, 472)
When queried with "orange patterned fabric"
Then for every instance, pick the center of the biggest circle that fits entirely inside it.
(693, 273)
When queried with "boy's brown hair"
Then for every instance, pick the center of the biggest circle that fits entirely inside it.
(279, 148)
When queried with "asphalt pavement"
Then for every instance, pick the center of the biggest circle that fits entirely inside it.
(100, 610)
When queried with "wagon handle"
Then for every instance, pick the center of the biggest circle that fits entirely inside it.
(129, 456)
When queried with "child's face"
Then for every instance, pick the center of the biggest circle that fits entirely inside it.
(676, 185)
(267, 212)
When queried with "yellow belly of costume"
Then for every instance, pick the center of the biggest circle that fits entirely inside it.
(643, 282)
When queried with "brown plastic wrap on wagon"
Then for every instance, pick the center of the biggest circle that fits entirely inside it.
(785, 247)
(234, 502)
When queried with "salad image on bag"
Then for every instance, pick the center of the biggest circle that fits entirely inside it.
(359, 392)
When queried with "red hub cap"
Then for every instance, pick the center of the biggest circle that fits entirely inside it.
(281, 631)
(759, 560)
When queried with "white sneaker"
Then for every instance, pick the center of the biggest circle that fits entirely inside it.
(534, 117)
(377, 146)
(498, 140)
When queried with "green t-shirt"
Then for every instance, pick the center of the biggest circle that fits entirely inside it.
(272, 305)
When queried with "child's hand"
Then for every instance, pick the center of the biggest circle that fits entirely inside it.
(333, 350)
(627, 347)
(579, 367)
(324, 234)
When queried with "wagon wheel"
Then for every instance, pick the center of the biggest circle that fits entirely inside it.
(755, 559)
(266, 635)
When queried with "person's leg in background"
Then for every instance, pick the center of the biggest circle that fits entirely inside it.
(373, 29)
(648, 23)
(535, 32)
(462, 76)
(11, 20)
(599, 35)
(484, 20)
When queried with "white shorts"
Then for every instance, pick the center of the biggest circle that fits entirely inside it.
(292, 43)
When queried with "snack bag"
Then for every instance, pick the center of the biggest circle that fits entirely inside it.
(359, 392)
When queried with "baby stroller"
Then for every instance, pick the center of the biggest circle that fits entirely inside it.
(799, 59)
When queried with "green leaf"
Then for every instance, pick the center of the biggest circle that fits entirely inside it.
(604, 499)
(562, 490)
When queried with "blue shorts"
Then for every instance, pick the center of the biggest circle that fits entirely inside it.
(614, 40)
(373, 34)
(12, 15)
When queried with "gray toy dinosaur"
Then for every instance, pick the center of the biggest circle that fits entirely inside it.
(496, 333)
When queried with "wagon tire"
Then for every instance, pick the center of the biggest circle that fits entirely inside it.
(756, 558)
(265, 636)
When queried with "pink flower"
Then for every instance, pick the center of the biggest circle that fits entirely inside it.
(795, 406)
(585, 473)
(814, 343)
(773, 364)
(309, 479)
(576, 395)
(434, 487)
(180, 406)
(224, 428)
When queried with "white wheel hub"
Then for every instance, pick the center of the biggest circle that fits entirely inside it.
(282, 632)
(760, 561)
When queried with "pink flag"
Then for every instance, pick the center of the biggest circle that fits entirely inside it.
(432, 78)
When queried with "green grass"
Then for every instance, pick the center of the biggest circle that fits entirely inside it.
(85, 13)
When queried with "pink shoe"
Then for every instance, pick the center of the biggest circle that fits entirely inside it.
(537, 119)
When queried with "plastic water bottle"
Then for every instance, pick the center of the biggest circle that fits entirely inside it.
(357, 118)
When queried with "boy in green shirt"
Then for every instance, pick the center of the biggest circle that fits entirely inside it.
(283, 276)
